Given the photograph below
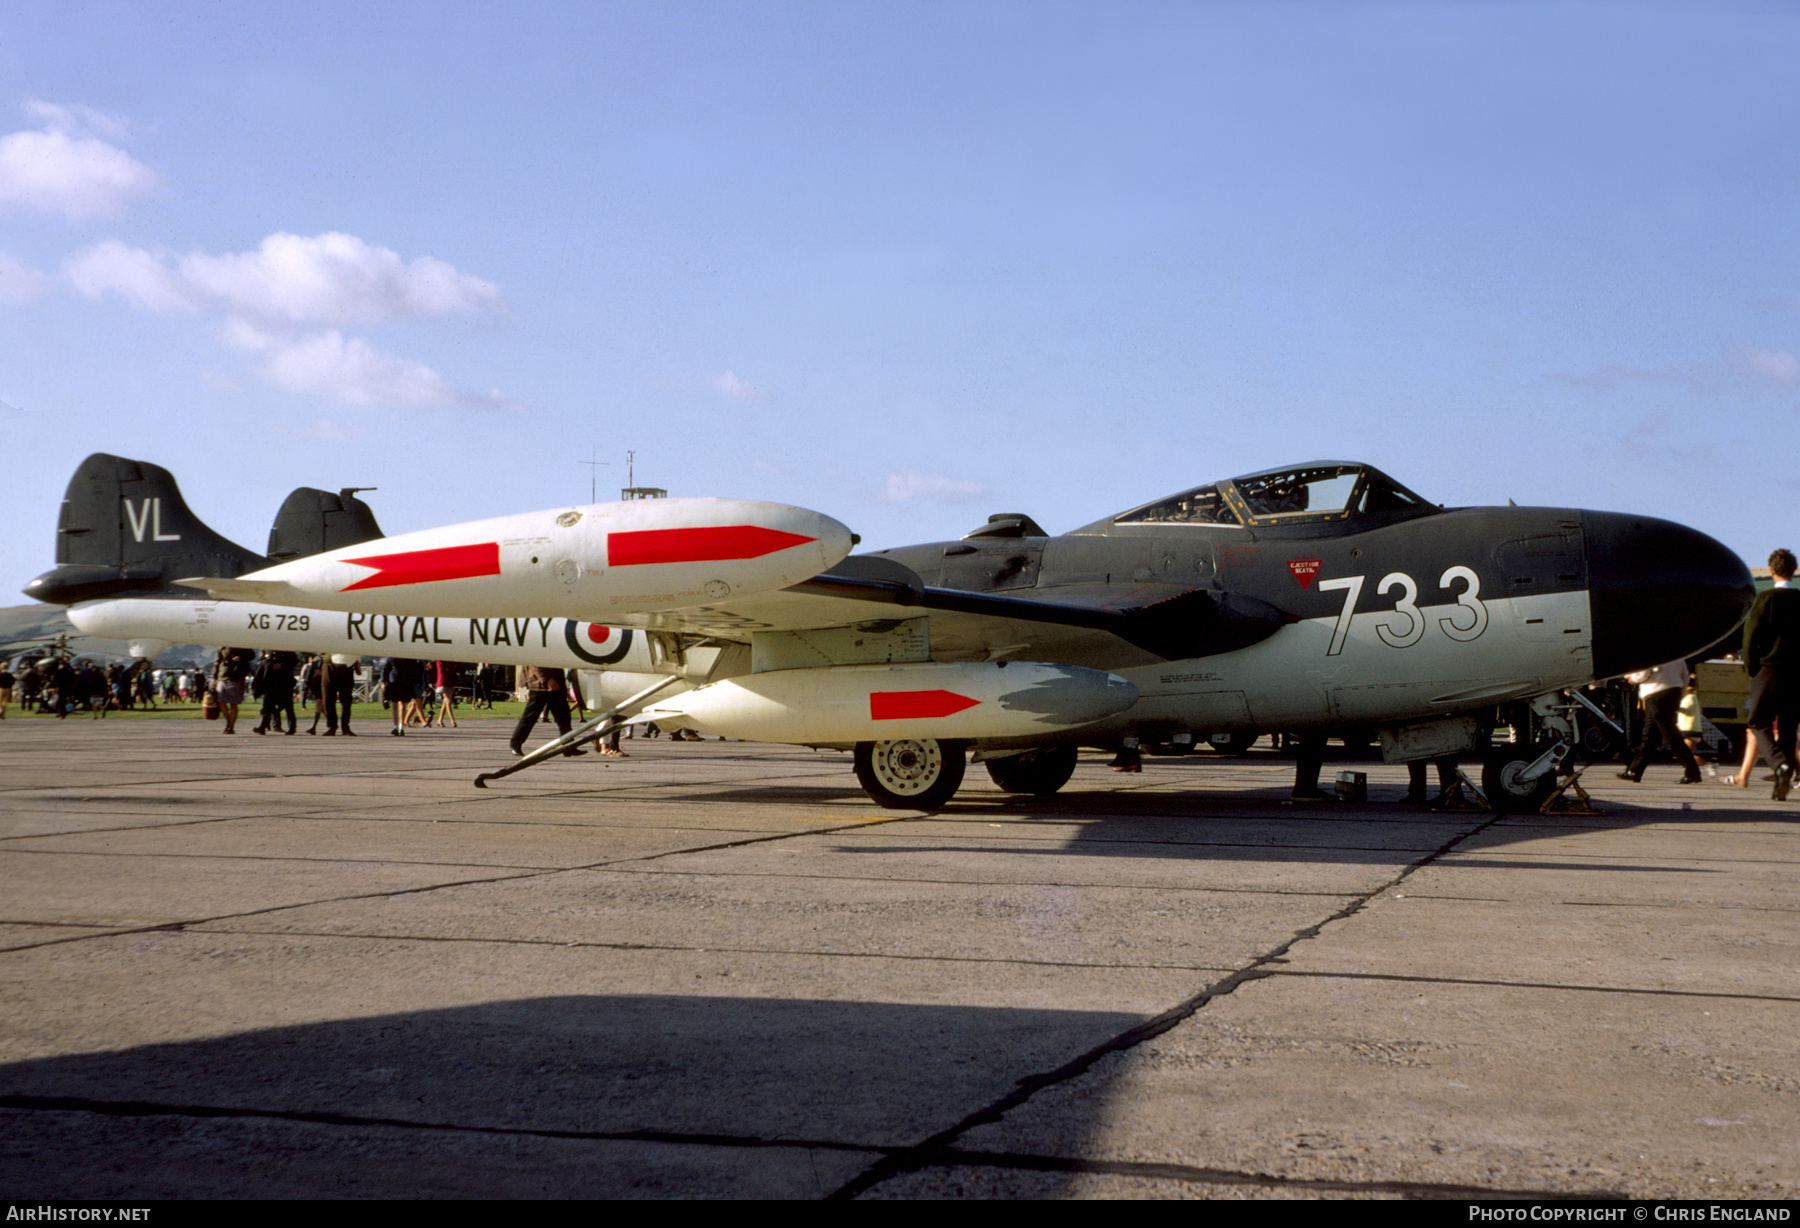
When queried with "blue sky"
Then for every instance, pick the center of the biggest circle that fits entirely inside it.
(908, 264)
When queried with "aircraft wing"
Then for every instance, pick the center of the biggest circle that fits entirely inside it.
(1074, 625)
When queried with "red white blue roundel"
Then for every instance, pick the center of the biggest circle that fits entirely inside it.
(597, 644)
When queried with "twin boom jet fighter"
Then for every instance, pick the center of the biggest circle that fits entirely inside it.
(1316, 596)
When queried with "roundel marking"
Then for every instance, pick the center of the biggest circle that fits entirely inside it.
(599, 635)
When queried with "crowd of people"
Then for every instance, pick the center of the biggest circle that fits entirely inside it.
(286, 685)
(420, 693)
(65, 687)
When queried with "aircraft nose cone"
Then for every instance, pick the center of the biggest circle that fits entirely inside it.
(1658, 591)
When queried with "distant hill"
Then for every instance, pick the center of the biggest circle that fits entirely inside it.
(24, 627)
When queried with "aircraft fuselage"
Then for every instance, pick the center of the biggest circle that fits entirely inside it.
(1417, 616)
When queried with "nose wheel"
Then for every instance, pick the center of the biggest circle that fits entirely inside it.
(1520, 779)
(910, 773)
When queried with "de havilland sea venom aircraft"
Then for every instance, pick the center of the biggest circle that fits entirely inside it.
(1316, 596)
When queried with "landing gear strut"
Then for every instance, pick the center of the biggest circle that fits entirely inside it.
(1521, 778)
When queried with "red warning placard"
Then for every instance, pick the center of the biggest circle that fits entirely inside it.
(1305, 571)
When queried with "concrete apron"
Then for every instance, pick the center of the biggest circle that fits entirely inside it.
(291, 967)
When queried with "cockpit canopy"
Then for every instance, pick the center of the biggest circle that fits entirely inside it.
(1320, 491)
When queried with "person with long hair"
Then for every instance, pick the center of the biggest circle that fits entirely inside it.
(444, 673)
(230, 670)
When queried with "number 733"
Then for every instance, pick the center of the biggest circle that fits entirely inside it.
(1405, 626)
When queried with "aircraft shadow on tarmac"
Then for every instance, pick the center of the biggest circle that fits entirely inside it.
(1225, 823)
(381, 1106)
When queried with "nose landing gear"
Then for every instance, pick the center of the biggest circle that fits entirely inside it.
(1520, 779)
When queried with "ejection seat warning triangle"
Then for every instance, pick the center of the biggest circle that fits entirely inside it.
(1305, 571)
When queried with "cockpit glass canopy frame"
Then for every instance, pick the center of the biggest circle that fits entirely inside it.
(1316, 492)
(1202, 505)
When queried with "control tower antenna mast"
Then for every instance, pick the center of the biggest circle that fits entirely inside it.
(593, 474)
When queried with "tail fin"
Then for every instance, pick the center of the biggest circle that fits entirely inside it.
(314, 521)
(125, 528)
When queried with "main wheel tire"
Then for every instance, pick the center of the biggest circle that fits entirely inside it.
(1506, 792)
(1038, 772)
(1599, 744)
(1234, 743)
(911, 773)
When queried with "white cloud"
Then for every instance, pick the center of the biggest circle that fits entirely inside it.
(1776, 367)
(76, 119)
(19, 282)
(907, 485)
(266, 296)
(729, 385)
(350, 370)
(63, 168)
(334, 277)
(132, 273)
(331, 278)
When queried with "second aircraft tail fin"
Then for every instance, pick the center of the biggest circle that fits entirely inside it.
(124, 528)
(314, 521)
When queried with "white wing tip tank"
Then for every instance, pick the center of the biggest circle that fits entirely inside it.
(618, 558)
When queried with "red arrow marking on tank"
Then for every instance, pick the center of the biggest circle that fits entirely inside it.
(424, 566)
(916, 705)
(726, 541)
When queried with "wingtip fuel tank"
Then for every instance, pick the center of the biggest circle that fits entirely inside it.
(608, 558)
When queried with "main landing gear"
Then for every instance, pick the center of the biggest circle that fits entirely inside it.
(911, 773)
(1037, 772)
(924, 773)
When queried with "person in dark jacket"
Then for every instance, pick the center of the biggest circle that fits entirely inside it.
(338, 683)
(275, 687)
(548, 689)
(1660, 691)
(1772, 659)
(400, 677)
(62, 682)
